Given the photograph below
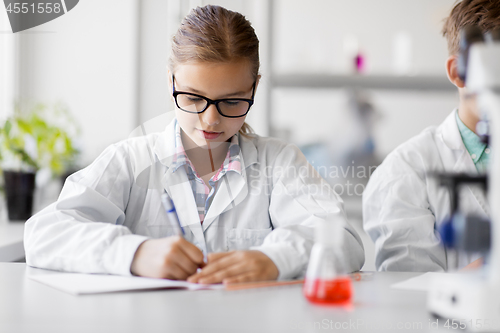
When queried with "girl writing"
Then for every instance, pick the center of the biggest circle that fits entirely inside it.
(250, 203)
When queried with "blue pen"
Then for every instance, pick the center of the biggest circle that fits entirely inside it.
(172, 214)
(168, 204)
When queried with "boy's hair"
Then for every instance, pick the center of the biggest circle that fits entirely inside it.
(215, 34)
(483, 13)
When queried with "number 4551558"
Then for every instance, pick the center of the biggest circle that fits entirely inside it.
(40, 8)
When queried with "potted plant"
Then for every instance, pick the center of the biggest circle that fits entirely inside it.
(32, 141)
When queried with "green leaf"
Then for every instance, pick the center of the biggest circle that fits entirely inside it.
(7, 127)
(54, 145)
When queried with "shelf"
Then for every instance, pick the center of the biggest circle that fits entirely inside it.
(433, 83)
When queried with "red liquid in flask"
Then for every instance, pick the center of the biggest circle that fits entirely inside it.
(335, 291)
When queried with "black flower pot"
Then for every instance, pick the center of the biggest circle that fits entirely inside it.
(19, 190)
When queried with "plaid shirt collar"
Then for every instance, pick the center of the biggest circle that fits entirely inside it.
(232, 162)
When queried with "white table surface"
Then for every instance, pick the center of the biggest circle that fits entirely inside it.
(29, 306)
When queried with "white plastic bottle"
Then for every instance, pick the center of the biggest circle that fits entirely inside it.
(327, 281)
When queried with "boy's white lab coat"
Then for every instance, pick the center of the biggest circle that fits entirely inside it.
(403, 207)
(108, 209)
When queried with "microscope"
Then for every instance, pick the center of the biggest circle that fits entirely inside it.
(474, 298)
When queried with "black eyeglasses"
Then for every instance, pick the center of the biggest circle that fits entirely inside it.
(227, 107)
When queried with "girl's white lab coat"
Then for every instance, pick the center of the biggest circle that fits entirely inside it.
(403, 207)
(108, 209)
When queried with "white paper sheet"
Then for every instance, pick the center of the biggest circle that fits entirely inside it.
(78, 284)
(418, 283)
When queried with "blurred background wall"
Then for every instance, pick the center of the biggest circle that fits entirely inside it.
(106, 60)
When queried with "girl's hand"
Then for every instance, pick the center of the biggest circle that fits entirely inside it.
(236, 267)
(168, 258)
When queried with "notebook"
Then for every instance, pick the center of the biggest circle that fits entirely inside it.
(80, 284)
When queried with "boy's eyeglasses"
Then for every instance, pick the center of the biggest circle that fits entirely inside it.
(227, 107)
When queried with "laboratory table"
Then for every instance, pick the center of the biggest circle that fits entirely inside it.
(29, 306)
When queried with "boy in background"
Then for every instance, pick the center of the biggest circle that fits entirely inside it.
(402, 206)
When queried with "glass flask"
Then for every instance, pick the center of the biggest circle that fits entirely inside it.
(327, 282)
